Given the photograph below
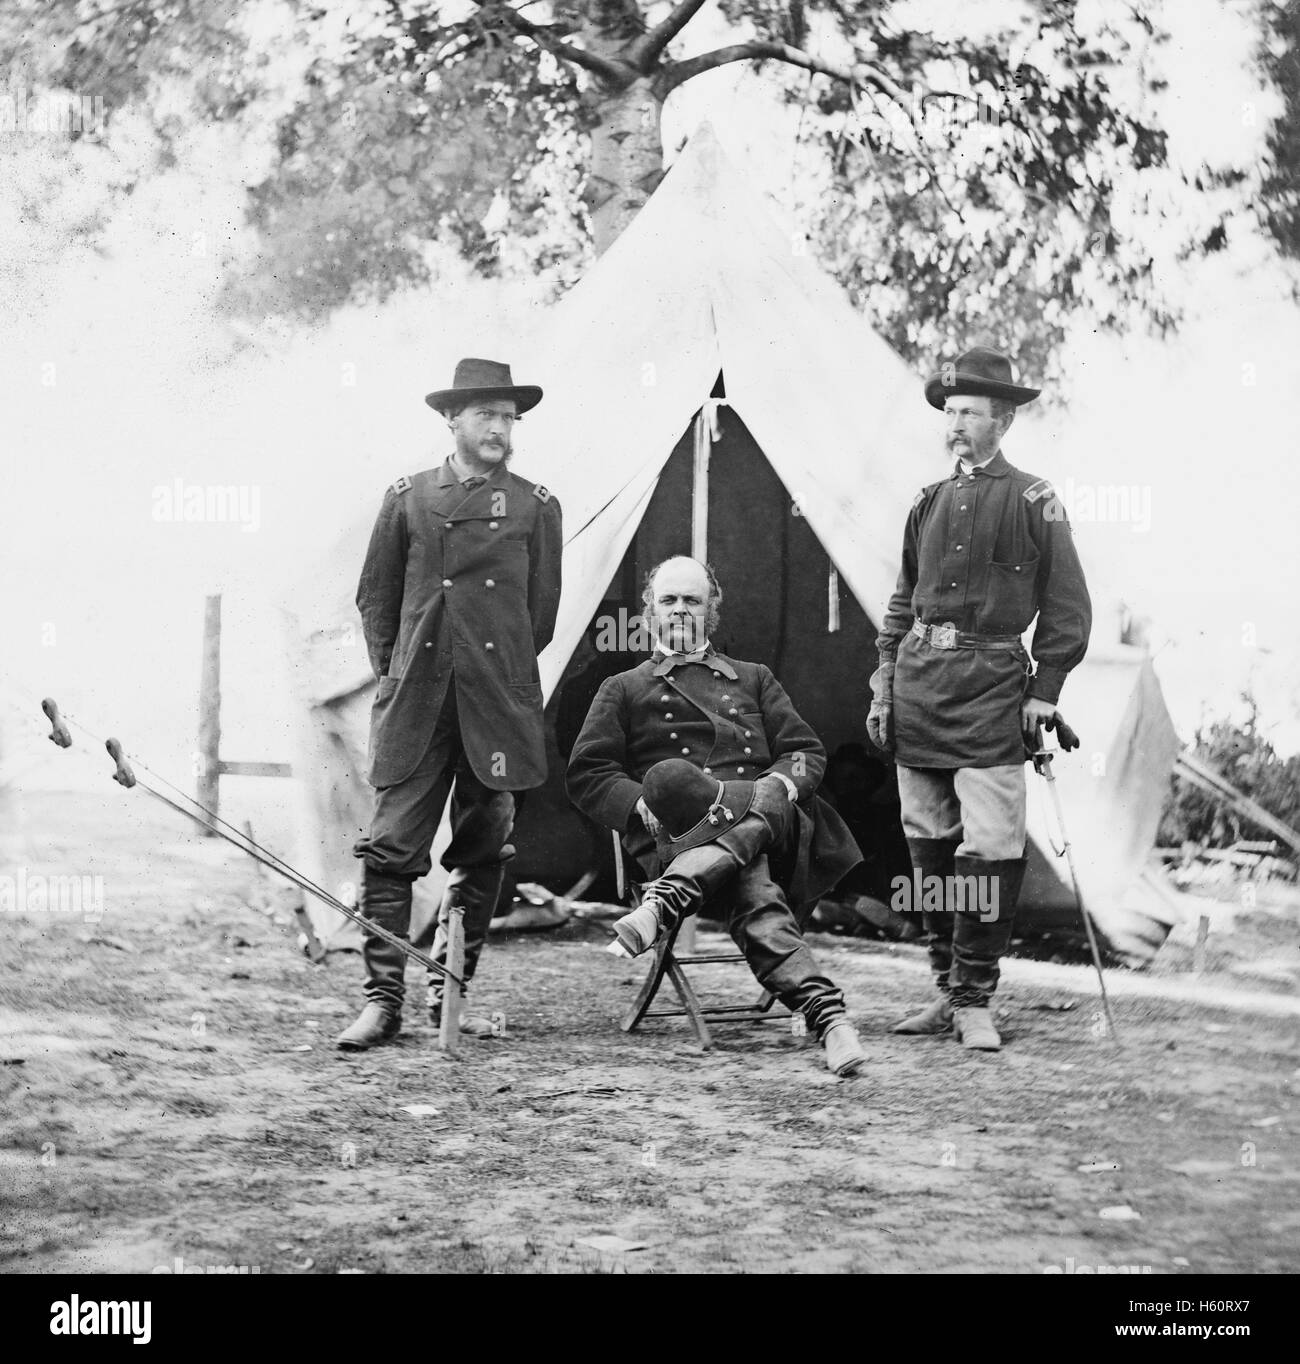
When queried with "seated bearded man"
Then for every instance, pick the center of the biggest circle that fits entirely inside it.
(733, 723)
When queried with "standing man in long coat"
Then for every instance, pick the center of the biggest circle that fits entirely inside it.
(458, 595)
(985, 551)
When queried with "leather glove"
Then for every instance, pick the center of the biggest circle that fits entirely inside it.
(880, 718)
(1065, 736)
(773, 805)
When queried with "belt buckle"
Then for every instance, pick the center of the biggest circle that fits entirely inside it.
(944, 636)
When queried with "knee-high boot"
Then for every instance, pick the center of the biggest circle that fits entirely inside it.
(983, 929)
(697, 874)
(934, 857)
(387, 901)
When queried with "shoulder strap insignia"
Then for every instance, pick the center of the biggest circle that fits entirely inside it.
(402, 484)
(923, 494)
(541, 494)
(1036, 491)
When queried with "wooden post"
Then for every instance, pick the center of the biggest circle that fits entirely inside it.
(705, 423)
(700, 486)
(449, 1032)
(1198, 953)
(207, 763)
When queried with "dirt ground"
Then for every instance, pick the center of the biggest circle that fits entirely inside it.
(170, 1092)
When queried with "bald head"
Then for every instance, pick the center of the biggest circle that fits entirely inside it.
(681, 602)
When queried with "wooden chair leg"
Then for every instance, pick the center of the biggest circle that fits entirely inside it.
(650, 987)
(690, 1002)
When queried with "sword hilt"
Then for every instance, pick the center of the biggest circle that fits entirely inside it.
(123, 776)
(1042, 757)
(59, 732)
(1065, 737)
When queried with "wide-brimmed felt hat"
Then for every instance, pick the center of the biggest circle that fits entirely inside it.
(692, 808)
(982, 372)
(484, 379)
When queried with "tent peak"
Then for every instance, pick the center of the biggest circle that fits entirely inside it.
(703, 162)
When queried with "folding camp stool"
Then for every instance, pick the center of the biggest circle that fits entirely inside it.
(674, 951)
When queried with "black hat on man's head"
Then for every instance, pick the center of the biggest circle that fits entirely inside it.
(475, 379)
(692, 808)
(982, 372)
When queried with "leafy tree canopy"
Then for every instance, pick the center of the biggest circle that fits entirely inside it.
(1002, 180)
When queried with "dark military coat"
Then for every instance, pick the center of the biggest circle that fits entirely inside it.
(987, 552)
(461, 584)
(731, 719)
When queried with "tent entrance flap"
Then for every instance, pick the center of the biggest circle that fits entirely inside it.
(783, 604)
(782, 596)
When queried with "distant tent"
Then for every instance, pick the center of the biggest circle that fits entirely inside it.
(708, 386)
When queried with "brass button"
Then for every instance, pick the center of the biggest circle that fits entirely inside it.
(749, 734)
(739, 770)
(668, 715)
(446, 582)
(449, 525)
(749, 750)
(954, 584)
(489, 645)
(429, 645)
(492, 525)
(725, 697)
(708, 771)
(686, 752)
(958, 546)
(963, 506)
(673, 735)
(489, 583)
(733, 711)
(665, 697)
(1017, 568)
(716, 673)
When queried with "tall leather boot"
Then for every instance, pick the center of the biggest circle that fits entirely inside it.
(475, 890)
(696, 874)
(934, 857)
(981, 937)
(387, 901)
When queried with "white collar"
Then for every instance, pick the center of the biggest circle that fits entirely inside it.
(702, 649)
(970, 468)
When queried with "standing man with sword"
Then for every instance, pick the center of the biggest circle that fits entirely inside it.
(956, 699)
(458, 596)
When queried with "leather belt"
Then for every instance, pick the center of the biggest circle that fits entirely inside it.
(948, 636)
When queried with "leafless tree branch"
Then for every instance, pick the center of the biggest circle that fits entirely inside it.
(763, 49)
(647, 50)
(566, 52)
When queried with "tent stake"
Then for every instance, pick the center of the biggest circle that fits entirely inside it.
(449, 1031)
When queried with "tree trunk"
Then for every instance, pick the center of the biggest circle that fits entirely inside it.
(627, 158)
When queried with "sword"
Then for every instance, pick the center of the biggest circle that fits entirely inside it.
(126, 776)
(1042, 758)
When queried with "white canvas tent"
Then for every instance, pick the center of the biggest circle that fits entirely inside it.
(706, 283)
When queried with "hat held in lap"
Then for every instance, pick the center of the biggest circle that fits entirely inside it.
(692, 808)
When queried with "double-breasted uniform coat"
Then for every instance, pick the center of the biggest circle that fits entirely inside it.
(461, 586)
(730, 718)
